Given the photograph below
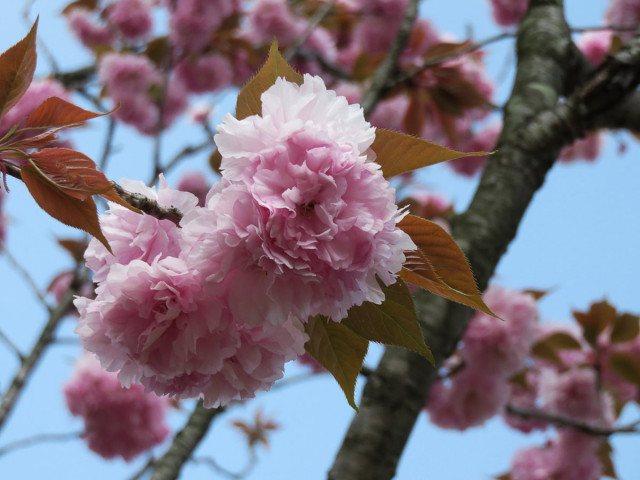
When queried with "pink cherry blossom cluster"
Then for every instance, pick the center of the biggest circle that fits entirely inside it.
(147, 100)
(508, 12)
(624, 13)
(119, 21)
(570, 456)
(118, 422)
(36, 93)
(491, 351)
(546, 371)
(302, 223)
(193, 22)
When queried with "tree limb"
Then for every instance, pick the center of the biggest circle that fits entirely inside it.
(46, 337)
(561, 421)
(168, 466)
(388, 67)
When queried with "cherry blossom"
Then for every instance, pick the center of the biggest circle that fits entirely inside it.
(118, 421)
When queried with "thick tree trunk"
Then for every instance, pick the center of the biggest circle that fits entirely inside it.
(536, 127)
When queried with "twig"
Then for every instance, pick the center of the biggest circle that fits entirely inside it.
(12, 346)
(145, 468)
(108, 144)
(562, 421)
(182, 154)
(388, 67)
(25, 275)
(210, 462)
(287, 382)
(44, 340)
(331, 68)
(43, 45)
(614, 28)
(432, 62)
(36, 439)
(313, 23)
(75, 79)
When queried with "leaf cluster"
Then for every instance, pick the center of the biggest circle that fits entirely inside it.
(61, 180)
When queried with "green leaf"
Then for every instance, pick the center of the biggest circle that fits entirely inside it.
(249, 101)
(562, 341)
(439, 265)
(338, 349)
(627, 366)
(394, 322)
(16, 70)
(546, 352)
(69, 210)
(593, 322)
(399, 153)
(548, 347)
(625, 328)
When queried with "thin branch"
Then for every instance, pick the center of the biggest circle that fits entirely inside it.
(26, 276)
(320, 15)
(168, 466)
(331, 68)
(36, 439)
(11, 346)
(26, 12)
(182, 154)
(108, 144)
(44, 340)
(562, 421)
(145, 468)
(388, 67)
(216, 467)
(75, 79)
(432, 62)
(613, 28)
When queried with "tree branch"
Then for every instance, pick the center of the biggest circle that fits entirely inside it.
(168, 466)
(561, 421)
(388, 67)
(148, 205)
(46, 337)
(36, 439)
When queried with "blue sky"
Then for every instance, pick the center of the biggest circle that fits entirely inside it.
(579, 238)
